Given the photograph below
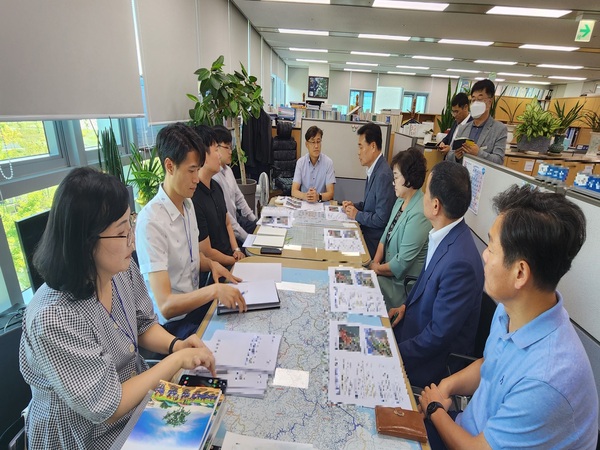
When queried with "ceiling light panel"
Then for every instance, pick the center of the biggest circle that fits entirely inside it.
(464, 42)
(512, 74)
(370, 53)
(534, 82)
(314, 50)
(361, 64)
(318, 2)
(435, 58)
(321, 61)
(560, 66)
(308, 32)
(443, 75)
(463, 70)
(413, 67)
(387, 37)
(528, 12)
(500, 63)
(401, 73)
(415, 6)
(568, 78)
(357, 70)
(554, 48)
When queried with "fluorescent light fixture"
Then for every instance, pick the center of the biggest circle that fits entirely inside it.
(568, 78)
(420, 6)
(357, 70)
(512, 74)
(443, 75)
(435, 58)
(370, 53)
(499, 79)
(401, 73)
(387, 37)
(500, 63)
(463, 42)
(309, 32)
(314, 50)
(413, 67)
(320, 2)
(534, 82)
(560, 66)
(322, 61)
(530, 12)
(361, 64)
(556, 48)
(463, 70)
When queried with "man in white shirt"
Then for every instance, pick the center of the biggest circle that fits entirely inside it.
(167, 239)
(243, 222)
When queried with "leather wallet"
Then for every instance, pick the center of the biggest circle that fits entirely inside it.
(402, 423)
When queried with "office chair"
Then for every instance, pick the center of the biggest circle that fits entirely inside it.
(284, 158)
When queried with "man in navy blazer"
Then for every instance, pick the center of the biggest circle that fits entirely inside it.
(441, 313)
(374, 212)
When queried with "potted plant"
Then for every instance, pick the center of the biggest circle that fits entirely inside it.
(446, 119)
(535, 128)
(565, 120)
(145, 174)
(511, 116)
(592, 120)
(234, 96)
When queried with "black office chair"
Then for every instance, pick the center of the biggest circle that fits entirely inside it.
(284, 158)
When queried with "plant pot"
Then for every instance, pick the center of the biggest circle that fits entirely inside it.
(249, 192)
(510, 129)
(538, 144)
(557, 146)
(594, 146)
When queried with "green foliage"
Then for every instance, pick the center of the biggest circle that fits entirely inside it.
(109, 158)
(510, 112)
(535, 122)
(592, 120)
(566, 118)
(495, 101)
(21, 139)
(226, 96)
(446, 120)
(145, 174)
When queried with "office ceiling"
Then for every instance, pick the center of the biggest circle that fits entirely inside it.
(345, 19)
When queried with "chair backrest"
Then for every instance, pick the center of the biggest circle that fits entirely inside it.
(488, 308)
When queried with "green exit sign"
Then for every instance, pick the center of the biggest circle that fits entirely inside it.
(584, 30)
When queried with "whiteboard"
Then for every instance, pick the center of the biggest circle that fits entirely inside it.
(340, 143)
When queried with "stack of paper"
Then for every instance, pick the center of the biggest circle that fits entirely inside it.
(343, 240)
(270, 237)
(355, 291)
(257, 294)
(276, 217)
(257, 271)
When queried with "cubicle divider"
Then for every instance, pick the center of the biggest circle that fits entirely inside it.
(340, 143)
(581, 284)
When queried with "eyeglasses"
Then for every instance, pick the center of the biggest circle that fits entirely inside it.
(317, 142)
(226, 147)
(129, 236)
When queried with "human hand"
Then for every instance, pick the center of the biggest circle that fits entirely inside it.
(190, 358)
(444, 148)
(347, 203)
(459, 153)
(193, 341)
(238, 254)
(231, 297)
(375, 267)
(470, 148)
(396, 314)
(219, 271)
(433, 394)
(351, 211)
(311, 195)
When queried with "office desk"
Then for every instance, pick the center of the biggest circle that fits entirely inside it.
(291, 414)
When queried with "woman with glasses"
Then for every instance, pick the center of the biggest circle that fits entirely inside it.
(403, 246)
(83, 328)
(314, 177)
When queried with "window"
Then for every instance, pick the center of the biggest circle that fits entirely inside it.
(362, 98)
(417, 98)
(91, 129)
(22, 140)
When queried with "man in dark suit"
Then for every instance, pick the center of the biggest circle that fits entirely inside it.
(441, 313)
(460, 112)
(374, 212)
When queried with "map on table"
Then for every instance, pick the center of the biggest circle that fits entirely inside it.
(302, 415)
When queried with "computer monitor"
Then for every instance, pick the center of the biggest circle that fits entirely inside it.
(30, 231)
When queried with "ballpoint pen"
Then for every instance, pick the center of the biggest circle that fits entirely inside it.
(394, 317)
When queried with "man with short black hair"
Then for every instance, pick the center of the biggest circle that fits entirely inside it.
(374, 211)
(441, 313)
(534, 386)
(487, 135)
(460, 112)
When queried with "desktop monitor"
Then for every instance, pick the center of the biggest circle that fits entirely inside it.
(318, 87)
(30, 231)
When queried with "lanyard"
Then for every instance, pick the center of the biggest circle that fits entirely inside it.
(129, 334)
(188, 232)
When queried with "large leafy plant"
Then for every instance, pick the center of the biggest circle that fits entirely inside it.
(566, 117)
(227, 96)
(145, 174)
(535, 122)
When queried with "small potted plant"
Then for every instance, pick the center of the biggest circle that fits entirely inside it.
(565, 120)
(592, 120)
(145, 174)
(535, 129)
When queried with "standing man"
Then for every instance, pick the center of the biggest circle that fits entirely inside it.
(241, 216)
(441, 312)
(167, 239)
(534, 386)
(216, 237)
(488, 135)
(314, 177)
(374, 212)
(460, 112)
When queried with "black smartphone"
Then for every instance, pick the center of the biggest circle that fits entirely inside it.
(270, 251)
(198, 380)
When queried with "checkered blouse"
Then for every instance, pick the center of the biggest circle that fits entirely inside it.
(75, 357)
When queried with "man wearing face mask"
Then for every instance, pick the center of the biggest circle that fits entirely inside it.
(487, 136)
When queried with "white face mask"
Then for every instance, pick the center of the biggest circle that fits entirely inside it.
(477, 109)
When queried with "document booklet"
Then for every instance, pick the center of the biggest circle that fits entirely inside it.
(258, 295)
(459, 141)
(269, 241)
(399, 422)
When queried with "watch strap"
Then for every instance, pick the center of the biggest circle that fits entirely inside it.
(433, 407)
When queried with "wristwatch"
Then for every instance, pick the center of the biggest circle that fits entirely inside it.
(237, 249)
(432, 407)
(320, 198)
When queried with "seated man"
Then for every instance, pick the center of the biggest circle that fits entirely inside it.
(534, 386)
(216, 237)
(441, 312)
(167, 239)
(488, 136)
(314, 177)
(374, 212)
(241, 216)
